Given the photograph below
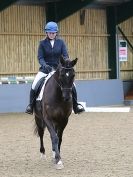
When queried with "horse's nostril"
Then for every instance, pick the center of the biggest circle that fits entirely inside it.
(66, 99)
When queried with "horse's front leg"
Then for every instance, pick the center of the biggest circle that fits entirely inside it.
(55, 142)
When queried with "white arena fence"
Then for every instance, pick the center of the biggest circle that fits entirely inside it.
(16, 80)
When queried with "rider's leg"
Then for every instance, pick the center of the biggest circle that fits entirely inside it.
(78, 108)
(29, 108)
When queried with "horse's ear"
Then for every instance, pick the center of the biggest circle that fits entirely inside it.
(62, 61)
(73, 62)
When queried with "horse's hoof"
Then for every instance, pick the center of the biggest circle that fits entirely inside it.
(43, 156)
(59, 165)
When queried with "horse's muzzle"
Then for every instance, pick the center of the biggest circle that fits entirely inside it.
(66, 99)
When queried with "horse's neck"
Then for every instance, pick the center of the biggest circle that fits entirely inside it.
(56, 78)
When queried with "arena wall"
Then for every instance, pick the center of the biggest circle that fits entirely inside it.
(15, 97)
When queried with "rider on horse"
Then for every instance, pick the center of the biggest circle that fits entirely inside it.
(49, 51)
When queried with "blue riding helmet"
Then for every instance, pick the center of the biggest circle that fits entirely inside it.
(51, 27)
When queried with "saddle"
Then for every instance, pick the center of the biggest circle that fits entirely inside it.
(41, 85)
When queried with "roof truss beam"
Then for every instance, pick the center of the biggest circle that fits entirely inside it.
(124, 11)
(59, 10)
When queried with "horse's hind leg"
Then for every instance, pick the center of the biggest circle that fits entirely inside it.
(40, 129)
(41, 133)
(60, 130)
(60, 133)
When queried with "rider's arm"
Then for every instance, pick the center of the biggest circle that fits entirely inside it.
(41, 55)
(44, 67)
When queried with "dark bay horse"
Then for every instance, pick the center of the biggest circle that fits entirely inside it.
(56, 106)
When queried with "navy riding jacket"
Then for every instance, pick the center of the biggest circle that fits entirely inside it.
(50, 56)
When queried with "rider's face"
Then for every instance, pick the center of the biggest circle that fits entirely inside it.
(51, 35)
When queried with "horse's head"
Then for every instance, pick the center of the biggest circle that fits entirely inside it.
(66, 77)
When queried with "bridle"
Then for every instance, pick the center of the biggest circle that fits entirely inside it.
(59, 84)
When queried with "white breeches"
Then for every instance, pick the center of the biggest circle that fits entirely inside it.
(37, 78)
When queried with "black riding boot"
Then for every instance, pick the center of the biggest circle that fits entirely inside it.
(78, 108)
(29, 109)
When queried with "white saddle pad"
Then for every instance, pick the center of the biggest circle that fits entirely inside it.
(46, 79)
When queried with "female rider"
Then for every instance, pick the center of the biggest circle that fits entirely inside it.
(49, 51)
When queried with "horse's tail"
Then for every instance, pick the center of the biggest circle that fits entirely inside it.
(39, 125)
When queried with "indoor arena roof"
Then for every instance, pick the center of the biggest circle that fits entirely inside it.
(98, 2)
(4, 3)
(71, 6)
